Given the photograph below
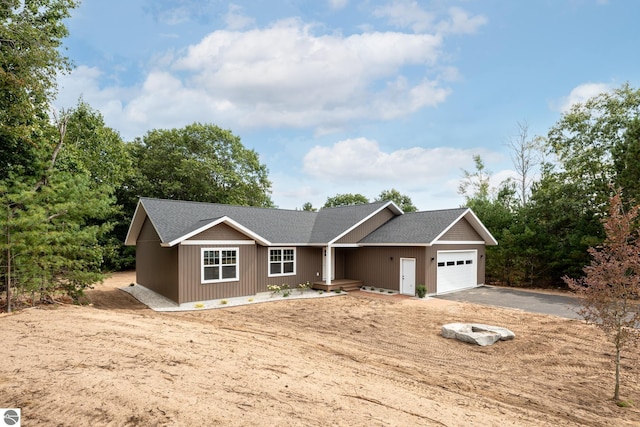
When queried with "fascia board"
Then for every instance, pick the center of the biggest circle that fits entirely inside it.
(136, 225)
(225, 219)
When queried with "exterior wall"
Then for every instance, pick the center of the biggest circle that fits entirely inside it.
(308, 268)
(380, 266)
(368, 227)
(156, 267)
(431, 267)
(190, 272)
(221, 232)
(462, 231)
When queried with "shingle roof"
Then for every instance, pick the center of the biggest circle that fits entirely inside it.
(332, 222)
(176, 220)
(414, 227)
(173, 219)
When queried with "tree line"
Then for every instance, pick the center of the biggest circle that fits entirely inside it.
(547, 217)
(69, 184)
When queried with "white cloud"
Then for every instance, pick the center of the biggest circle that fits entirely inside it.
(461, 23)
(289, 74)
(406, 14)
(236, 19)
(410, 14)
(580, 94)
(338, 4)
(362, 159)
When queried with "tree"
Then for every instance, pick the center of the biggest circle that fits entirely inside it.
(52, 226)
(308, 207)
(346, 199)
(525, 158)
(610, 290)
(404, 202)
(588, 140)
(475, 185)
(30, 59)
(198, 163)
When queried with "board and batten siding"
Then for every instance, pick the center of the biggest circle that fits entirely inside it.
(432, 266)
(190, 274)
(156, 267)
(221, 232)
(308, 267)
(462, 231)
(363, 230)
(380, 266)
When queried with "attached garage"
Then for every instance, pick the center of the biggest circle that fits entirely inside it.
(456, 270)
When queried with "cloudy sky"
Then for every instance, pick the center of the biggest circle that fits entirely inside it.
(352, 96)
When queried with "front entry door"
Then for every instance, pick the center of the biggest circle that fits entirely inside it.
(408, 276)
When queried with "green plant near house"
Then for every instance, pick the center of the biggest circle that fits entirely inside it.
(223, 302)
(304, 286)
(421, 290)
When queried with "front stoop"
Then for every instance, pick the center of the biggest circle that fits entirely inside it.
(342, 284)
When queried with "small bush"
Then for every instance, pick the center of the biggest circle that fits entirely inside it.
(421, 290)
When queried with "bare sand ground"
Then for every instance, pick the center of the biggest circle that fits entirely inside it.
(357, 360)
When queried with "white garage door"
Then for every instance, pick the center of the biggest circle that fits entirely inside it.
(456, 270)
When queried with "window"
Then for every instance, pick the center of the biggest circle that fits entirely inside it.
(219, 265)
(282, 262)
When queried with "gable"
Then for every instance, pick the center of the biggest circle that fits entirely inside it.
(373, 223)
(221, 231)
(461, 231)
(148, 233)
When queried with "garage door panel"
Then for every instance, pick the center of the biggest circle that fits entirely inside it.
(456, 270)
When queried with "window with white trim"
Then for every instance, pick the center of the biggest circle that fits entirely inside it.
(219, 265)
(282, 262)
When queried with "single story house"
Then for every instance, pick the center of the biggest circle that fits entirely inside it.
(191, 251)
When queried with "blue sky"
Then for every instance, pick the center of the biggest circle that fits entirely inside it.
(352, 96)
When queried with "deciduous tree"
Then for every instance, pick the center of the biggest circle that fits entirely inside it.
(346, 199)
(610, 290)
(403, 201)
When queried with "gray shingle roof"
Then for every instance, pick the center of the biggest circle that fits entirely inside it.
(332, 222)
(175, 220)
(414, 227)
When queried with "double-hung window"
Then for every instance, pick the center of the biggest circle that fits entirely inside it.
(282, 262)
(219, 265)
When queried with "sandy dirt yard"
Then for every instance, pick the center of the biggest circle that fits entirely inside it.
(355, 360)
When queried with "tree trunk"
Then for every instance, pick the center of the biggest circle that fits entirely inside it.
(616, 393)
(8, 275)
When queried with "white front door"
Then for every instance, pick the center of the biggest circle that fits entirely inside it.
(324, 263)
(408, 276)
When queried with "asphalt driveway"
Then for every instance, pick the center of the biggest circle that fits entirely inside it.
(531, 301)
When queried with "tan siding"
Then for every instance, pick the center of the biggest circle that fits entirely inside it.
(191, 287)
(432, 266)
(221, 232)
(380, 266)
(368, 227)
(308, 268)
(156, 267)
(462, 231)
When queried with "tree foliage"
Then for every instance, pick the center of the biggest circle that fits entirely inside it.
(30, 58)
(610, 290)
(200, 162)
(346, 199)
(403, 201)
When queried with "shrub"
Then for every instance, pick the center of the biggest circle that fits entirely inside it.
(421, 290)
